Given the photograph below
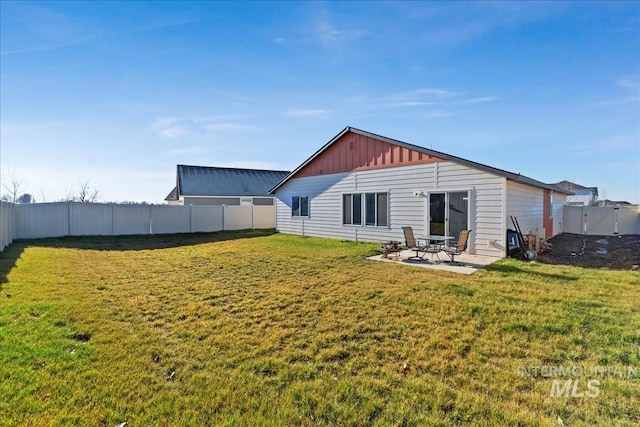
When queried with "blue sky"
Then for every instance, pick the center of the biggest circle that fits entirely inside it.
(118, 93)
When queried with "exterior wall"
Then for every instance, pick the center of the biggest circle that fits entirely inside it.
(405, 208)
(228, 201)
(584, 197)
(356, 152)
(557, 210)
(526, 203)
(211, 201)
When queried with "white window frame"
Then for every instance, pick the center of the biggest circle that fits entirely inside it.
(299, 215)
(363, 209)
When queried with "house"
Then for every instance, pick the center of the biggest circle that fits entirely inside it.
(607, 202)
(363, 186)
(204, 185)
(582, 196)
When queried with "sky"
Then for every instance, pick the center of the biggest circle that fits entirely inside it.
(116, 94)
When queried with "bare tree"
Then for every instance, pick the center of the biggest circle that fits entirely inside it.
(68, 195)
(87, 194)
(13, 185)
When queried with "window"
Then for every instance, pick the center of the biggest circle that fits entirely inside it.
(300, 206)
(352, 209)
(373, 206)
(382, 210)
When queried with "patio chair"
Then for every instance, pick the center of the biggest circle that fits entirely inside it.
(413, 244)
(460, 247)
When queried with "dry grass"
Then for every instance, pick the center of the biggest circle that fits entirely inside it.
(259, 329)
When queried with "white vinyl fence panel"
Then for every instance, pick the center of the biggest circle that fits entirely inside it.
(602, 220)
(35, 221)
(167, 219)
(237, 218)
(208, 218)
(131, 219)
(7, 224)
(91, 219)
(264, 217)
(41, 220)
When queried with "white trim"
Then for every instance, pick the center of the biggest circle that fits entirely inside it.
(470, 206)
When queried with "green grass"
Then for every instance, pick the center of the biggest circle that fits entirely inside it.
(253, 328)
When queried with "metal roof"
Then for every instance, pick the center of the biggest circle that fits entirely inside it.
(516, 177)
(215, 181)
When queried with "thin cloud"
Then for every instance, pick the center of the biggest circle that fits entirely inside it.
(439, 114)
(432, 91)
(175, 127)
(45, 48)
(333, 36)
(306, 113)
(329, 35)
(168, 127)
(628, 84)
(173, 132)
(416, 98)
(408, 104)
(480, 100)
(228, 127)
(188, 150)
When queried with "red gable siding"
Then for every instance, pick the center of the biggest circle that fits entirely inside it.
(354, 152)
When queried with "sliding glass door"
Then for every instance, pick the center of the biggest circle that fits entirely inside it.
(448, 213)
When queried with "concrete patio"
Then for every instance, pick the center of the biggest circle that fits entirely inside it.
(464, 264)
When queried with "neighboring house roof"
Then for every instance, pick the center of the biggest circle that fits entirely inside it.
(607, 202)
(215, 181)
(572, 186)
(173, 195)
(516, 177)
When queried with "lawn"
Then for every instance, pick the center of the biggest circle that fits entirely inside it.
(254, 328)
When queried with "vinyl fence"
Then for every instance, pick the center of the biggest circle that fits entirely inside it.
(40, 220)
(7, 224)
(602, 220)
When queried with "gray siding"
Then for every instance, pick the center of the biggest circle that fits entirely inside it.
(228, 201)
(526, 204)
(405, 208)
(557, 209)
(211, 201)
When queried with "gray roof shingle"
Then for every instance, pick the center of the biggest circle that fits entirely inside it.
(215, 181)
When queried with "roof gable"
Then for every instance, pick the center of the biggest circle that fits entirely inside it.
(431, 156)
(353, 151)
(572, 186)
(215, 181)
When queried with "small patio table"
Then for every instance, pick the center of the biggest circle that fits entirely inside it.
(436, 243)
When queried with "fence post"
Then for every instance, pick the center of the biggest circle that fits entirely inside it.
(223, 209)
(113, 219)
(150, 219)
(69, 218)
(253, 227)
(190, 218)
